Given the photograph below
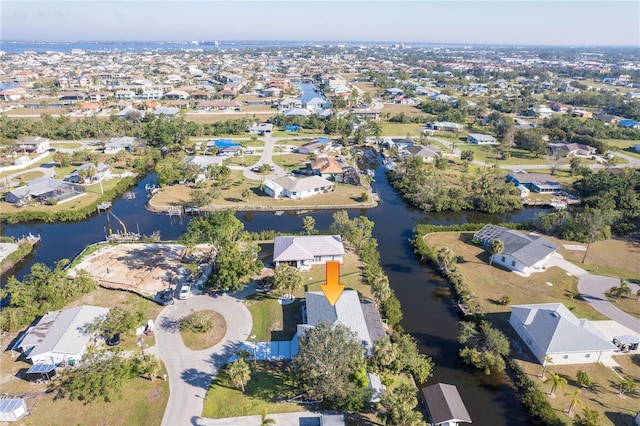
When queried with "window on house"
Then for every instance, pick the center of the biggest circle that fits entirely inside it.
(513, 263)
(503, 258)
(317, 258)
(587, 356)
(565, 357)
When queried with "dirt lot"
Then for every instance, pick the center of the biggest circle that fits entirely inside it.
(141, 268)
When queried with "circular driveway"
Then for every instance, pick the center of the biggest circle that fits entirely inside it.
(190, 372)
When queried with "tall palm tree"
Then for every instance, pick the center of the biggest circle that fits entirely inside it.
(574, 399)
(558, 383)
(445, 258)
(588, 417)
(495, 247)
(546, 361)
(239, 373)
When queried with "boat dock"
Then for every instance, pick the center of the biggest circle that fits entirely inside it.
(174, 211)
(103, 206)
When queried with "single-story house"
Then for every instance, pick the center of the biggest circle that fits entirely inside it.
(550, 329)
(260, 129)
(480, 139)
(444, 126)
(347, 311)
(60, 336)
(297, 112)
(304, 251)
(370, 113)
(124, 143)
(129, 112)
(165, 111)
(522, 253)
(317, 104)
(94, 173)
(297, 188)
(572, 149)
(427, 153)
(43, 189)
(445, 405)
(203, 161)
(12, 409)
(537, 182)
(34, 144)
(289, 103)
(328, 168)
(314, 146)
(399, 143)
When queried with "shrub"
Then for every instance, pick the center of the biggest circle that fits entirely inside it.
(197, 322)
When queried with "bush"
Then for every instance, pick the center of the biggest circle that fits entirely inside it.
(364, 197)
(197, 322)
(52, 202)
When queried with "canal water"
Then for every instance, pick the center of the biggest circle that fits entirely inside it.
(429, 316)
(309, 92)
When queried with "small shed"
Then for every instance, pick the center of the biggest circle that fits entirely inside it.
(445, 405)
(43, 372)
(627, 342)
(12, 409)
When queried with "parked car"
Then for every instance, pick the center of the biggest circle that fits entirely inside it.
(165, 297)
(185, 292)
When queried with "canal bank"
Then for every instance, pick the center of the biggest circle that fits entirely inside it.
(429, 313)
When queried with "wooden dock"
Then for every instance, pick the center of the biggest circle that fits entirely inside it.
(464, 311)
(103, 206)
(174, 211)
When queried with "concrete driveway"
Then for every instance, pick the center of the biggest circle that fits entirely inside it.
(190, 372)
(592, 289)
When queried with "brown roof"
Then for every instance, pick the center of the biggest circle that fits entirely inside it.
(327, 165)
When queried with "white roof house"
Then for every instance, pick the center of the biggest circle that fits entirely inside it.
(347, 311)
(522, 253)
(60, 335)
(480, 139)
(35, 144)
(115, 145)
(550, 329)
(307, 250)
(297, 188)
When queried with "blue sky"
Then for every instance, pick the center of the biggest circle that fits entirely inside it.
(518, 22)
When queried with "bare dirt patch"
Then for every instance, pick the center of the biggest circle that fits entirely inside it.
(144, 269)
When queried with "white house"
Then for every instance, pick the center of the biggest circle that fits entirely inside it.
(297, 188)
(550, 329)
(115, 145)
(34, 144)
(427, 153)
(307, 250)
(445, 405)
(60, 336)
(480, 139)
(522, 253)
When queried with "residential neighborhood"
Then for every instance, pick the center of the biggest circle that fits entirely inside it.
(479, 203)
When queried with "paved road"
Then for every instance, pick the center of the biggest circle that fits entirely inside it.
(190, 372)
(266, 158)
(592, 289)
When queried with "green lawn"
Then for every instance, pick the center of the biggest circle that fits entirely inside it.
(273, 321)
(623, 146)
(69, 145)
(399, 129)
(269, 385)
(290, 161)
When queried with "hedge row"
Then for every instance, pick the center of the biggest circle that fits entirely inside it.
(532, 397)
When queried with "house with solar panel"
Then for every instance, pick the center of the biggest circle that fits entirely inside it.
(524, 253)
(552, 330)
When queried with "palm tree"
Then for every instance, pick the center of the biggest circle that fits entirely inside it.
(622, 291)
(547, 360)
(558, 383)
(239, 373)
(496, 247)
(574, 399)
(308, 223)
(266, 420)
(445, 258)
(588, 417)
(245, 194)
(627, 385)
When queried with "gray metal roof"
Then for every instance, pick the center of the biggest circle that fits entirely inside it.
(308, 183)
(423, 151)
(306, 247)
(9, 405)
(557, 330)
(347, 311)
(67, 334)
(445, 404)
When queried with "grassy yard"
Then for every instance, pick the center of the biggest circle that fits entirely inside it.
(624, 146)
(179, 195)
(490, 283)
(143, 402)
(269, 385)
(28, 176)
(602, 397)
(199, 341)
(399, 129)
(408, 110)
(242, 160)
(290, 161)
(69, 145)
(215, 118)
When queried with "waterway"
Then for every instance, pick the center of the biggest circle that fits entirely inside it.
(428, 316)
(309, 92)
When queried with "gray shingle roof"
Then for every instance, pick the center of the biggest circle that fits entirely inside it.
(445, 403)
(306, 247)
(347, 311)
(528, 249)
(556, 329)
